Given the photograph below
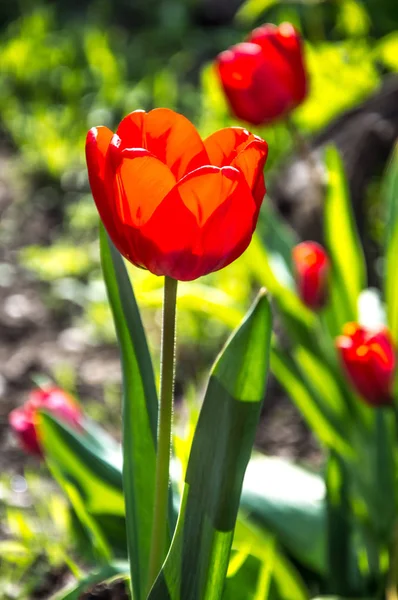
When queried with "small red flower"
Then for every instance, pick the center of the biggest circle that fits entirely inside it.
(172, 203)
(368, 358)
(24, 420)
(311, 266)
(264, 78)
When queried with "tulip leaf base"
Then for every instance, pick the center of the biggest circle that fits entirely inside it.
(140, 407)
(197, 563)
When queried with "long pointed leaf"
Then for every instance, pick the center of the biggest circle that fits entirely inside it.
(343, 243)
(139, 413)
(390, 196)
(197, 563)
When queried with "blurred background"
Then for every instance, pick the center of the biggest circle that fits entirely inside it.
(66, 66)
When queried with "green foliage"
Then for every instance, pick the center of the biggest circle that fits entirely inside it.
(62, 260)
(343, 244)
(197, 562)
(139, 415)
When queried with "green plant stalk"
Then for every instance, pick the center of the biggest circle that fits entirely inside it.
(159, 528)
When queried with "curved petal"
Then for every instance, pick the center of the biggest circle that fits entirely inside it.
(97, 143)
(238, 69)
(131, 130)
(141, 183)
(282, 47)
(222, 146)
(205, 189)
(205, 222)
(166, 243)
(167, 135)
(229, 229)
(251, 161)
(237, 147)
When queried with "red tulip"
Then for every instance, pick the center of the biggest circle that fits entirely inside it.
(264, 78)
(311, 265)
(368, 358)
(24, 420)
(172, 203)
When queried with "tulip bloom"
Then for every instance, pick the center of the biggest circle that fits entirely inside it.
(311, 266)
(24, 420)
(264, 78)
(368, 358)
(170, 202)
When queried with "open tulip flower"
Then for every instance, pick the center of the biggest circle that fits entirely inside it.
(311, 266)
(24, 420)
(264, 78)
(368, 358)
(170, 202)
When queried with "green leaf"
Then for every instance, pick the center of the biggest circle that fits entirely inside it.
(318, 417)
(251, 10)
(297, 317)
(88, 470)
(139, 413)
(387, 50)
(91, 467)
(344, 247)
(289, 502)
(339, 530)
(259, 569)
(352, 18)
(197, 563)
(390, 196)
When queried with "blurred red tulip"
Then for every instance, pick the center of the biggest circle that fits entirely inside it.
(264, 78)
(172, 203)
(24, 420)
(368, 358)
(311, 266)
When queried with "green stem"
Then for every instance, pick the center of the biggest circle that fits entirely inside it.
(159, 528)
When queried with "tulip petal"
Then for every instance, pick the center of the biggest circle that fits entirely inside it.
(141, 183)
(228, 231)
(100, 156)
(97, 144)
(237, 147)
(167, 135)
(282, 48)
(205, 222)
(166, 242)
(223, 146)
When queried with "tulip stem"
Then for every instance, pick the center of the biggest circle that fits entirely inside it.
(159, 527)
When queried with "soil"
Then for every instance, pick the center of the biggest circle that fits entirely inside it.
(114, 591)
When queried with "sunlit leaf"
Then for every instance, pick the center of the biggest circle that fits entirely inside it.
(353, 19)
(387, 50)
(265, 572)
(289, 376)
(139, 414)
(289, 502)
(251, 10)
(390, 195)
(348, 266)
(197, 563)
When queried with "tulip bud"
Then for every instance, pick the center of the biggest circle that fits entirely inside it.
(368, 358)
(264, 78)
(311, 266)
(24, 420)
